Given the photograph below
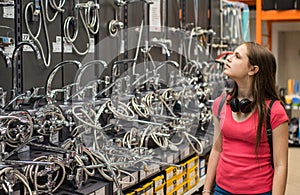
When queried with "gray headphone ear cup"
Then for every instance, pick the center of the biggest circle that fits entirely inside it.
(245, 106)
(234, 105)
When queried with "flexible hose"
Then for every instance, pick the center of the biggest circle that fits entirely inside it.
(35, 175)
(57, 7)
(19, 175)
(71, 39)
(92, 19)
(22, 136)
(42, 20)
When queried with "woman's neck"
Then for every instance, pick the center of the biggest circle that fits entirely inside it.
(244, 92)
(244, 89)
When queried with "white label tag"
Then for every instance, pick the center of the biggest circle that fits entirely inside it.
(25, 37)
(92, 45)
(9, 12)
(27, 48)
(58, 39)
(54, 138)
(68, 48)
(56, 47)
(9, 50)
(155, 16)
(122, 47)
(142, 174)
(196, 51)
(170, 159)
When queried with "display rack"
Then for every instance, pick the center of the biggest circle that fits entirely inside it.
(18, 39)
(271, 16)
(248, 2)
(197, 187)
(34, 101)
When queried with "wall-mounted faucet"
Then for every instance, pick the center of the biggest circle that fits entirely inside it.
(14, 63)
(52, 74)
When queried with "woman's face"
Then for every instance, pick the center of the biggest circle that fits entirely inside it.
(236, 66)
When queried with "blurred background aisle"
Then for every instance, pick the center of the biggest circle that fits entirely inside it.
(293, 184)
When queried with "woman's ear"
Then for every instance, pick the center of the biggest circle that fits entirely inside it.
(253, 70)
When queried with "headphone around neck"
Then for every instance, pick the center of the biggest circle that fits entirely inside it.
(244, 106)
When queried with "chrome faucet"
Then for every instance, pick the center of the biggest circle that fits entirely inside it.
(81, 70)
(14, 62)
(52, 74)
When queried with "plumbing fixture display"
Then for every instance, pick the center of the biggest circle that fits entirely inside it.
(105, 137)
(115, 101)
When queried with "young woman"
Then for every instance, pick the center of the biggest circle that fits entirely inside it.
(240, 159)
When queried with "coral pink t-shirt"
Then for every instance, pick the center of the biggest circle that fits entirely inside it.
(240, 170)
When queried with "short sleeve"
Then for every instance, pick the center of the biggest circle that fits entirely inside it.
(278, 114)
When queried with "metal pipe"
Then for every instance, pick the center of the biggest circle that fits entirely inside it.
(153, 44)
(77, 92)
(54, 71)
(116, 70)
(156, 70)
(81, 70)
(14, 62)
(36, 138)
(137, 47)
(12, 101)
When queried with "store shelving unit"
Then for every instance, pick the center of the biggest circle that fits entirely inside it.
(248, 2)
(271, 16)
(196, 187)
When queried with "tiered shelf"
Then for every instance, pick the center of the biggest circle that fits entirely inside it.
(272, 16)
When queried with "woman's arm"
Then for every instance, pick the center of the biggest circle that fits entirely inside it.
(213, 158)
(280, 158)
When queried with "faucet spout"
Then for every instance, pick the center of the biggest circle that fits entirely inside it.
(14, 62)
(54, 71)
(81, 70)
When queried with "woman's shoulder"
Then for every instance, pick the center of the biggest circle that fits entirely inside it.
(275, 104)
(218, 100)
(278, 113)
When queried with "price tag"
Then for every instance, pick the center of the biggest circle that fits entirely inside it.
(196, 51)
(8, 12)
(92, 45)
(180, 50)
(58, 39)
(122, 47)
(56, 47)
(25, 37)
(54, 138)
(142, 174)
(68, 48)
(170, 159)
(9, 50)
(27, 48)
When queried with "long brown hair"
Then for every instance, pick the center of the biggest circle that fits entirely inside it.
(263, 85)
